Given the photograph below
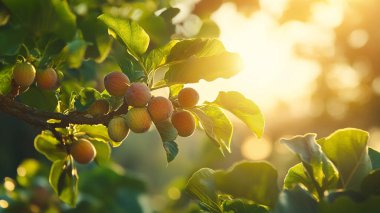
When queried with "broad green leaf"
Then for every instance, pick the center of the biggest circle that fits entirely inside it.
(195, 48)
(40, 16)
(209, 68)
(256, 181)
(242, 206)
(64, 180)
(133, 36)
(6, 80)
(202, 186)
(371, 183)
(74, 52)
(11, 39)
(46, 144)
(244, 109)
(103, 151)
(375, 158)
(97, 132)
(347, 205)
(171, 149)
(347, 149)
(319, 172)
(209, 29)
(166, 130)
(296, 200)
(158, 56)
(175, 89)
(85, 98)
(41, 99)
(215, 123)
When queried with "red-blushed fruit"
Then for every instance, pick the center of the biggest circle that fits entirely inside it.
(188, 97)
(137, 95)
(24, 74)
(138, 120)
(83, 151)
(118, 129)
(160, 108)
(184, 122)
(98, 108)
(47, 79)
(116, 83)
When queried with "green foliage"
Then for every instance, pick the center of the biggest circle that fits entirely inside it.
(48, 145)
(5, 80)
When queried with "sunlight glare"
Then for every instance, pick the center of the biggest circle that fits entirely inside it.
(255, 149)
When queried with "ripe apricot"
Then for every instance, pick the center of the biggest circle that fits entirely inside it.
(24, 74)
(116, 83)
(118, 129)
(99, 107)
(184, 122)
(137, 95)
(83, 151)
(160, 108)
(138, 120)
(47, 79)
(188, 97)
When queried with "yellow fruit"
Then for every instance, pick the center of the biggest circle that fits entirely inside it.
(137, 95)
(24, 74)
(118, 129)
(138, 120)
(184, 122)
(83, 151)
(47, 79)
(188, 97)
(160, 108)
(116, 83)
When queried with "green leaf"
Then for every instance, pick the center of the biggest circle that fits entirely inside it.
(103, 151)
(166, 130)
(244, 109)
(41, 99)
(97, 132)
(215, 123)
(256, 181)
(40, 16)
(74, 52)
(157, 57)
(6, 80)
(371, 183)
(347, 149)
(171, 149)
(133, 36)
(296, 200)
(85, 98)
(64, 180)
(46, 144)
(375, 158)
(175, 89)
(202, 186)
(11, 39)
(209, 68)
(242, 206)
(347, 205)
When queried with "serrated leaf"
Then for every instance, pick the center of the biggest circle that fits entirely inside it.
(46, 144)
(202, 186)
(209, 68)
(257, 181)
(6, 80)
(215, 123)
(103, 151)
(375, 158)
(85, 98)
(64, 180)
(243, 108)
(347, 149)
(171, 149)
(133, 36)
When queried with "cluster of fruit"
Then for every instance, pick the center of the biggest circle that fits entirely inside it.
(24, 74)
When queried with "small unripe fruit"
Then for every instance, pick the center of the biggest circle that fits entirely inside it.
(188, 97)
(118, 129)
(138, 120)
(24, 74)
(99, 107)
(160, 108)
(47, 79)
(83, 151)
(137, 95)
(184, 122)
(116, 83)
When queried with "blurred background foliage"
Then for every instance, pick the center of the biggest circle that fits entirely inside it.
(311, 65)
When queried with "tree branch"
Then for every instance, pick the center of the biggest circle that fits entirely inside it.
(39, 118)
